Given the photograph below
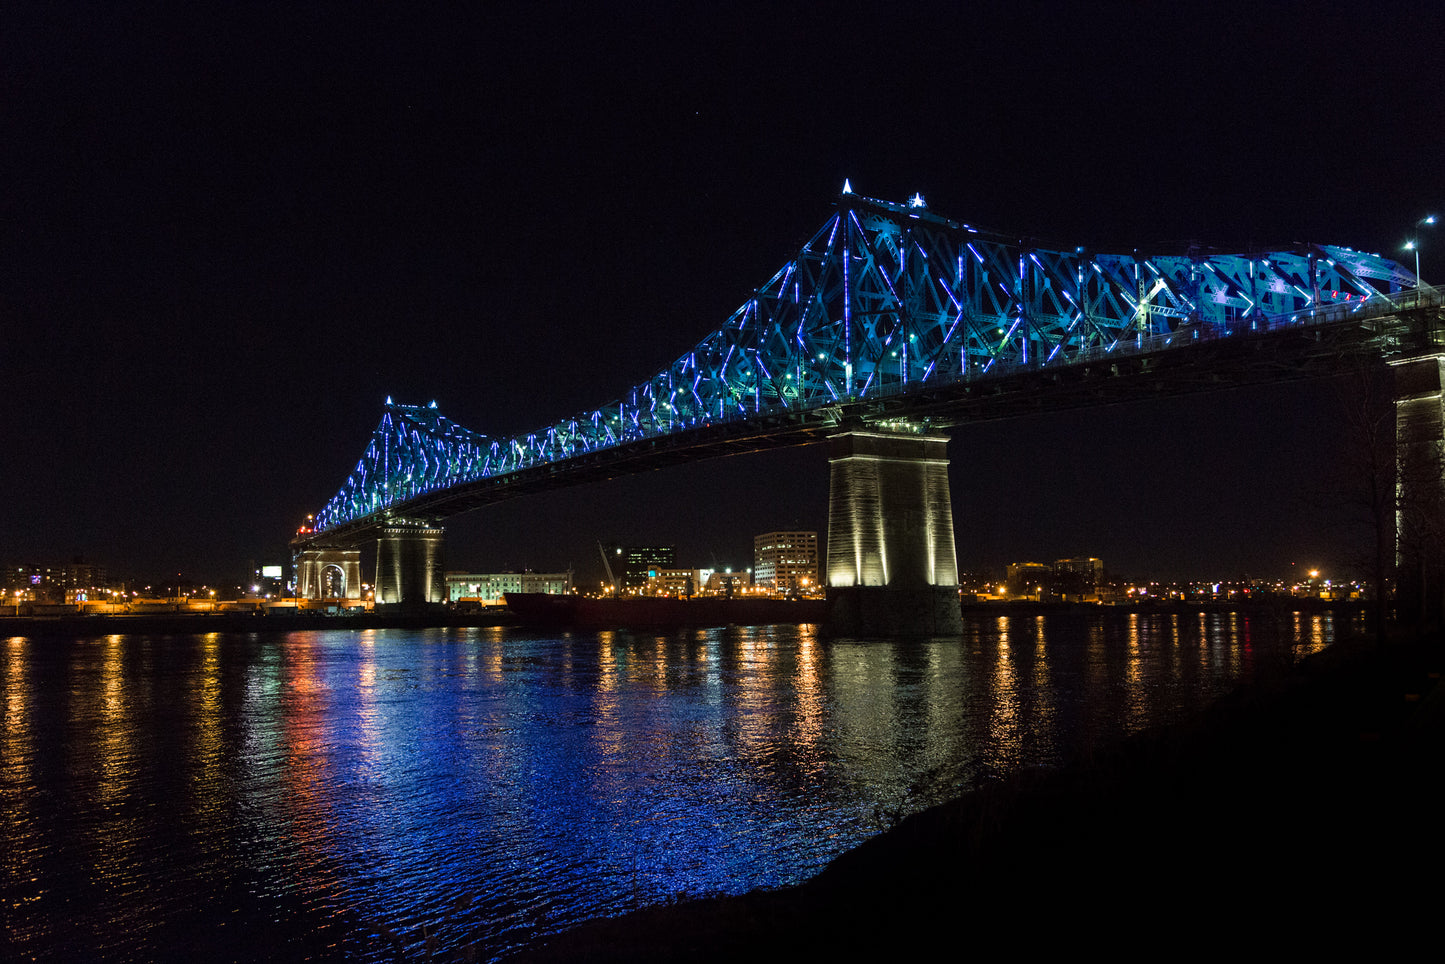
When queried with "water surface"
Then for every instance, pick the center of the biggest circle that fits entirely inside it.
(364, 794)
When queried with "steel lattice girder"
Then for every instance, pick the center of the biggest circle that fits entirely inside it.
(883, 300)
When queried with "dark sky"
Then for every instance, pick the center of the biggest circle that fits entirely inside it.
(226, 237)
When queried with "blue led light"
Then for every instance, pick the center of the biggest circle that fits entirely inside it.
(828, 322)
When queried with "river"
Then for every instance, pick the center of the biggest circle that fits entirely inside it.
(388, 793)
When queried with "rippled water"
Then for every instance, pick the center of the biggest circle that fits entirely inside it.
(383, 793)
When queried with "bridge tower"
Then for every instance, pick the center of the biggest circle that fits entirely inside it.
(329, 574)
(892, 566)
(1420, 486)
(409, 565)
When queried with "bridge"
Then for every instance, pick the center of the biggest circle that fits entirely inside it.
(890, 325)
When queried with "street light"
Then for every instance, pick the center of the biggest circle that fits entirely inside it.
(1414, 245)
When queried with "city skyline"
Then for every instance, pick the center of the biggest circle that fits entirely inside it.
(230, 236)
(48, 576)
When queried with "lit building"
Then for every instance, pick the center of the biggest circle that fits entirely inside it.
(488, 588)
(786, 561)
(679, 582)
(1078, 578)
(1029, 578)
(76, 582)
(729, 583)
(642, 564)
(1073, 580)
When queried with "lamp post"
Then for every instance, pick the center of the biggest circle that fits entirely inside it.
(1414, 245)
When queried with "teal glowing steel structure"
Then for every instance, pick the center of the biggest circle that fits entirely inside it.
(889, 311)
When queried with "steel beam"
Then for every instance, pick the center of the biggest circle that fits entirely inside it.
(891, 310)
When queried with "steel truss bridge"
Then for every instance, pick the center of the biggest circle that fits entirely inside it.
(891, 312)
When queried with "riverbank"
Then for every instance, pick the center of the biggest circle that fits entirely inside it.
(1276, 605)
(1301, 813)
(79, 626)
(572, 612)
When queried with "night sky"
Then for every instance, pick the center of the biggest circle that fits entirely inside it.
(226, 237)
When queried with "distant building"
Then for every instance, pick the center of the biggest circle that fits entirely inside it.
(786, 561)
(1078, 578)
(728, 583)
(679, 582)
(267, 581)
(75, 582)
(488, 588)
(1074, 579)
(1029, 578)
(642, 564)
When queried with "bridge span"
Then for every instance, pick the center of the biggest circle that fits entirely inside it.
(890, 325)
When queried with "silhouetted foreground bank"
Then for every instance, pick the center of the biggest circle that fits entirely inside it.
(1305, 812)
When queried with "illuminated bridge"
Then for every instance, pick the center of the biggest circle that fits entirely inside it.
(890, 324)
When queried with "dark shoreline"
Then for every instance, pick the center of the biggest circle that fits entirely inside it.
(1303, 810)
(1279, 605)
(223, 622)
(76, 624)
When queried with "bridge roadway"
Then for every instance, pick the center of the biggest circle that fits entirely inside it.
(1180, 362)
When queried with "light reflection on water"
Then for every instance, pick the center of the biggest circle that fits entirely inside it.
(352, 794)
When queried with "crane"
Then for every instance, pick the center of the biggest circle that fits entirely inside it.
(611, 579)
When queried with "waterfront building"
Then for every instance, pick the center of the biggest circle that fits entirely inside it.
(786, 561)
(487, 588)
(75, 582)
(729, 583)
(679, 582)
(642, 564)
(1029, 579)
(1078, 579)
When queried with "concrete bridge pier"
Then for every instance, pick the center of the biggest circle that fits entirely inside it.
(409, 566)
(329, 574)
(892, 567)
(1420, 487)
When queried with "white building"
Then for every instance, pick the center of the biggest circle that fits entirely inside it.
(488, 588)
(786, 561)
(679, 582)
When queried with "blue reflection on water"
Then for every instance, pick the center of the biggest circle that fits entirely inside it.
(355, 794)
